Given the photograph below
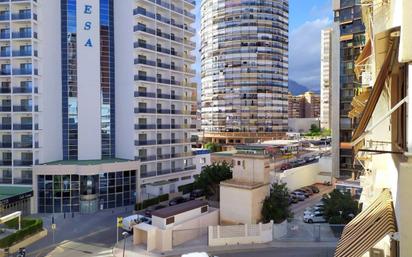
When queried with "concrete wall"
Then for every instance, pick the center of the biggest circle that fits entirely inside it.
(317, 172)
(280, 230)
(241, 206)
(251, 169)
(302, 124)
(179, 219)
(240, 234)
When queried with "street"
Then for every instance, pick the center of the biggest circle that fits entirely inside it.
(81, 235)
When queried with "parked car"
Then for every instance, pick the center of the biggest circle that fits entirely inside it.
(320, 204)
(299, 195)
(129, 221)
(314, 217)
(314, 188)
(293, 199)
(309, 159)
(177, 200)
(307, 190)
(300, 162)
(197, 193)
(148, 211)
(306, 194)
(317, 209)
(285, 166)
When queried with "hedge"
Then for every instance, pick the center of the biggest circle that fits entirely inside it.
(187, 188)
(151, 202)
(29, 227)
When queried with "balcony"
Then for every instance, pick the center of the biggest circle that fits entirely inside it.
(25, 126)
(22, 162)
(163, 172)
(5, 126)
(5, 108)
(192, 167)
(163, 156)
(5, 90)
(24, 53)
(5, 72)
(163, 111)
(144, 94)
(25, 108)
(144, 126)
(5, 16)
(23, 181)
(22, 15)
(163, 126)
(175, 126)
(147, 158)
(23, 90)
(5, 162)
(146, 174)
(5, 54)
(25, 72)
(144, 142)
(25, 145)
(22, 34)
(163, 141)
(5, 144)
(5, 35)
(5, 180)
(144, 110)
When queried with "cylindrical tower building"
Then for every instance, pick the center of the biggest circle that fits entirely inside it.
(244, 53)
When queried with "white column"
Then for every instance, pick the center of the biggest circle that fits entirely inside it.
(409, 114)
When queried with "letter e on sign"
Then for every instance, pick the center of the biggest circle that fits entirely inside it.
(88, 9)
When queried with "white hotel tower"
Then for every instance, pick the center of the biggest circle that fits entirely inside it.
(97, 100)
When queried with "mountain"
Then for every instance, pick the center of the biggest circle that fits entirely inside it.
(295, 88)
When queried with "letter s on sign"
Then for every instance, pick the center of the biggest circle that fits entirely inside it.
(87, 25)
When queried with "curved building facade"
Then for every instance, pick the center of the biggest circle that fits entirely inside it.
(244, 53)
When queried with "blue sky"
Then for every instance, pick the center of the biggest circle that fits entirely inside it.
(306, 19)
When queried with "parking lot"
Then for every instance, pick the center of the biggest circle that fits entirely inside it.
(299, 208)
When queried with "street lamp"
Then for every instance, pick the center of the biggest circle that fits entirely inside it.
(124, 234)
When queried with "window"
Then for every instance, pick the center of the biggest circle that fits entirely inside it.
(170, 220)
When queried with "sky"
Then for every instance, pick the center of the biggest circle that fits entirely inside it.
(306, 20)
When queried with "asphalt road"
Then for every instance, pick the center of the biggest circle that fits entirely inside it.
(91, 232)
(282, 252)
(299, 208)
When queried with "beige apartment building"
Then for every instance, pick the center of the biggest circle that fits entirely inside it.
(382, 142)
(325, 78)
(306, 105)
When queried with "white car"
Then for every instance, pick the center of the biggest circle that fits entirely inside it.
(299, 195)
(314, 217)
(129, 221)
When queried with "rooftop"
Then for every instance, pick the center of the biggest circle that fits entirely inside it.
(241, 184)
(10, 191)
(86, 162)
(179, 208)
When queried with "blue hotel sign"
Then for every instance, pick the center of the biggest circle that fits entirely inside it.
(88, 10)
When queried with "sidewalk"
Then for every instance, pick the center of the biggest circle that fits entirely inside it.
(138, 251)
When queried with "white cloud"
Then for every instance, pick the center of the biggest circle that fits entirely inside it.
(304, 52)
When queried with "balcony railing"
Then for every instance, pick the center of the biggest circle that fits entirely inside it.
(25, 126)
(147, 158)
(5, 144)
(163, 141)
(144, 142)
(5, 16)
(144, 126)
(146, 174)
(5, 126)
(163, 156)
(22, 162)
(163, 126)
(144, 110)
(25, 90)
(5, 162)
(163, 172)
(25, 108)
(144, 94)
(25, 145)
(5, 90)
(5, 108)
(25, 72)
(21, 16)
(23, 181)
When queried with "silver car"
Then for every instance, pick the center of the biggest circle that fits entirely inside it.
(314, 217)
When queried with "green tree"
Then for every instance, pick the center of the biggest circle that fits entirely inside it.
(340, 207)
(210, 178)
(213, 147)
(314, 129)
(326, 132)
(276, 205)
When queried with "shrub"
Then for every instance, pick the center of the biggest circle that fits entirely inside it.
(163, 198)
(29, 227)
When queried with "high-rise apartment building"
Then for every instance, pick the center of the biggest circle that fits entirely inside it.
(349, 38)
(325, 78)
(244, 53)
(97, 100)
(306, 105)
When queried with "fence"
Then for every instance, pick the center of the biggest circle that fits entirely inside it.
(240, 234)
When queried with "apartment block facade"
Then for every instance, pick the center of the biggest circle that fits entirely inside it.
(382, 140)
(306, 105)
(325, 78)
(244, 54)
(349, 40)
(97, 99)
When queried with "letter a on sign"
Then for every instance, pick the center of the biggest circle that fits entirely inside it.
(88, 43)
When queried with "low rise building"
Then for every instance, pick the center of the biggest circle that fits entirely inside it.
(241, 197)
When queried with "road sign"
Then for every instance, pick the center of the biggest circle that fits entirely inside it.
(53, 226)
(119, 222)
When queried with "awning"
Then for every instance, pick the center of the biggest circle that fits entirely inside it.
(368, 227)
(359, 103)
(362, 58)
(346, 37)
(374, 96)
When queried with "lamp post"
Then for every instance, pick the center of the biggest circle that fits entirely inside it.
(124, 234)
